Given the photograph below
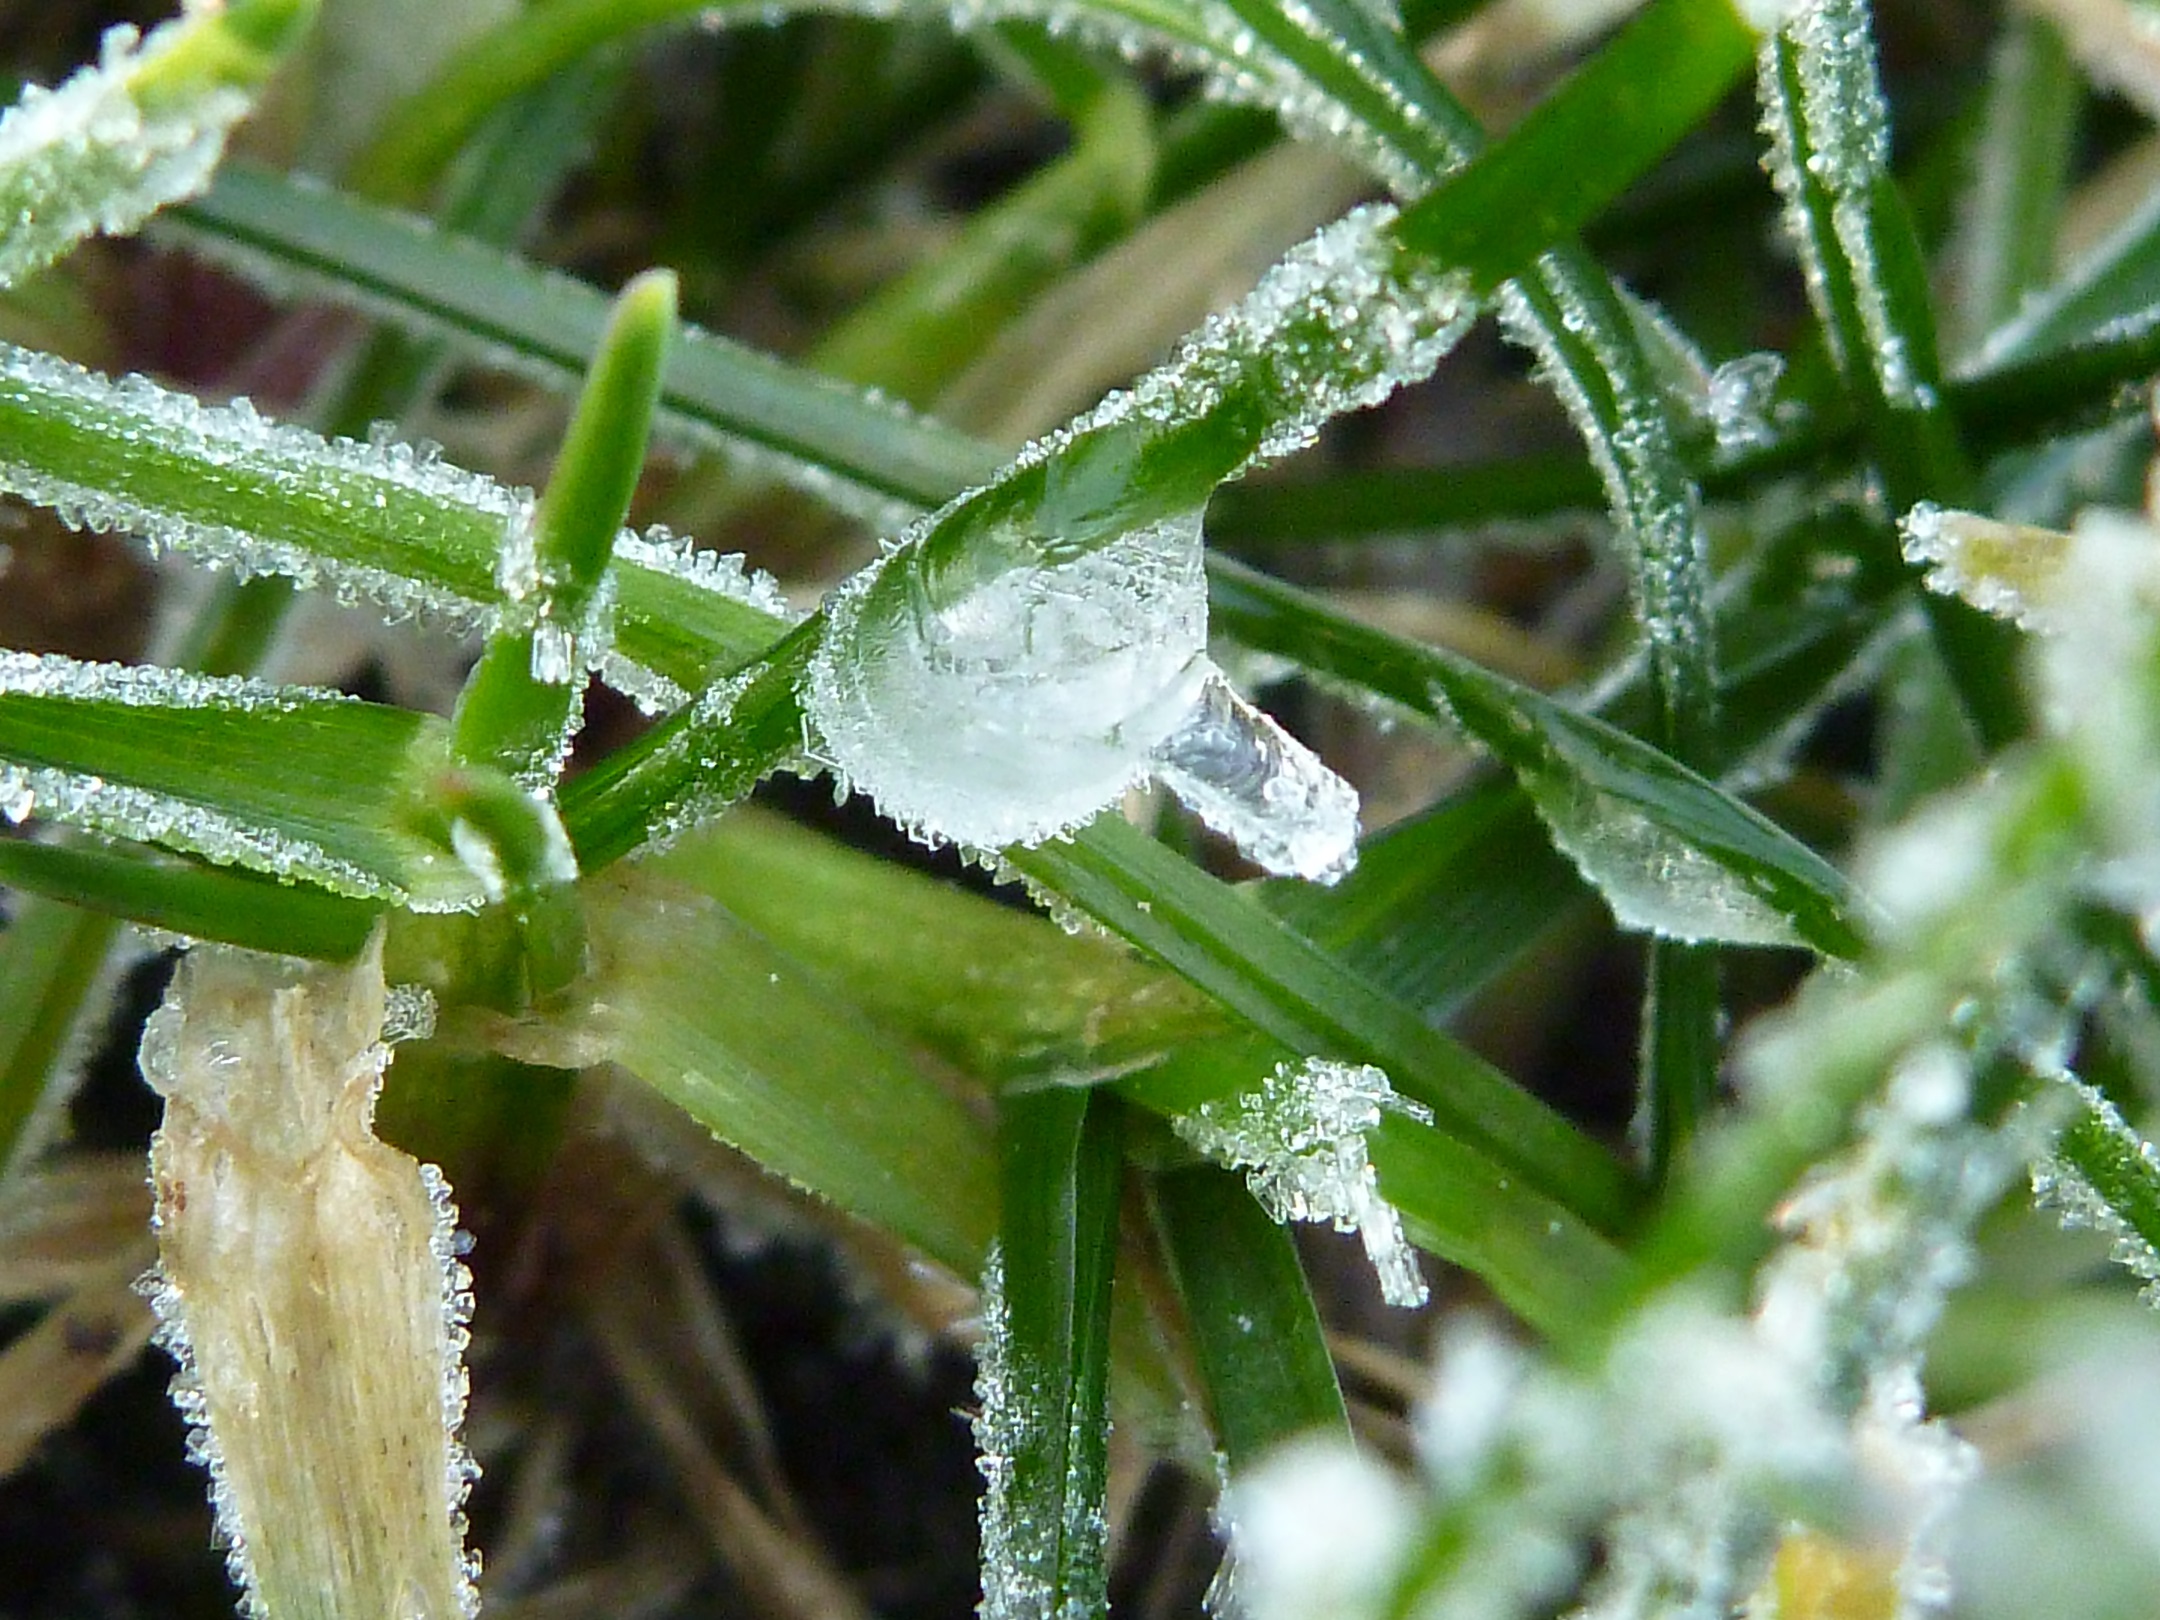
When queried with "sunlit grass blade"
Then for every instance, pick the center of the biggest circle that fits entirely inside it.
(303, 785)
(1255, 1333)
(1042, 1380)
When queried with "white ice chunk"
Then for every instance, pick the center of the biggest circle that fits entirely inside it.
(1257, 785)
(1743, 393)
(1300, 1136)
(1025, 706)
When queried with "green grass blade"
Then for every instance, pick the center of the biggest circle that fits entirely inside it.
(1829, 157)
(1043, 1369)
(50, 957)
(1670, 851)
(1287, 988)
(303, 785)
(1255, 1333)
(522, 702)
(232, 907)
(864, 454)
(764, 1053)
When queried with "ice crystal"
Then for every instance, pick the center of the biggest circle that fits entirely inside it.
(1652, 879)
(1300, 1136)
(1258, 786)
(309, 1289)
(87, 157)
(1317, 1530)
(1741, 401)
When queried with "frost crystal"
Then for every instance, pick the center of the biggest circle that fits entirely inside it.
(87, 157)
(1742, 395)
(1300, 1136)
(308, 1285)
(1317, 1530)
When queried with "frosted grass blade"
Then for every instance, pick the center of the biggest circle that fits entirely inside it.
(1288, 989)
(1042, 1370)
(302, 785)
(228, 905)
(1670, 851)
(141, 129)
(382, 521)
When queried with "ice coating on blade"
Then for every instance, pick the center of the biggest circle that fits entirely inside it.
(1257, 785)
(1014, 693)
(308, 1285)
(86, 157)
(1025, 706)
(1300, 1136)
(1653, 880)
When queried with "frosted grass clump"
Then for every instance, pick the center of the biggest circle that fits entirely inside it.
(1300, 1136)
(309, 1287)
(1021, 707)
(89, 157)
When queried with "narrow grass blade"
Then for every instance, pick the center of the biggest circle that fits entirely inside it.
(2101, 1173)
(302, 785)
(522, 703)
(50, 959)
(864, 454)
(1255, 1333)
(1042, 1378)
(232, 907)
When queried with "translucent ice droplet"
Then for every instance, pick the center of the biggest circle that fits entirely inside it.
(1257, 785)
(1300, 1135)
(1018, 706)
